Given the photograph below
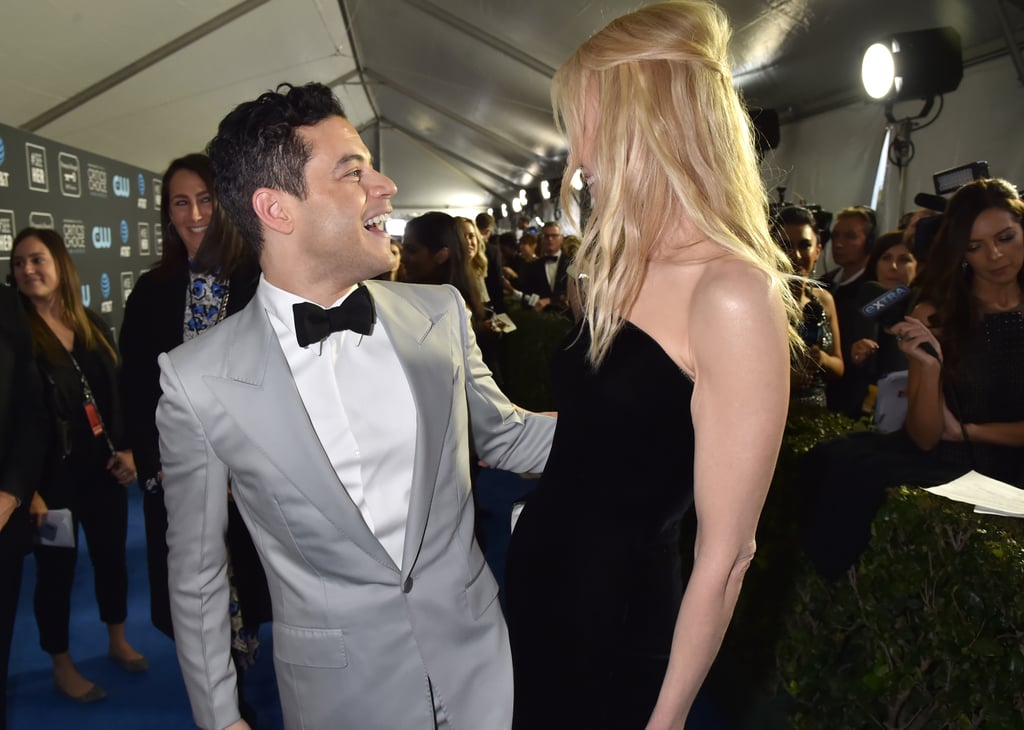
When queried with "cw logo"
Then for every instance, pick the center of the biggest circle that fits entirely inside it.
(122, 186)
(100, 237)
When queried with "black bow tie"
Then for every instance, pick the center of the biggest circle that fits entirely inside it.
(549, 257)
(313, 322)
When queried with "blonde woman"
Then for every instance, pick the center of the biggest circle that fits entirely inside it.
(672, 393)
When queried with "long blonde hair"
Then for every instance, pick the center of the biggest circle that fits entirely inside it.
(672, 139)
(478, 264)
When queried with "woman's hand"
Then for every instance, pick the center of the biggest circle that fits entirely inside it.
(911, 336)
(122, 466)
(862, 349)
(38, 509)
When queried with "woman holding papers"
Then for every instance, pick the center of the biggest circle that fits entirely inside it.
(965, 339)
(87, 467)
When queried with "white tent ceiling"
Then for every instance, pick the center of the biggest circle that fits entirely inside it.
(452, 95)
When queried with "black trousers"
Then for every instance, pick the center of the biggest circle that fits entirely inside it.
(10, 586)
(100, 505)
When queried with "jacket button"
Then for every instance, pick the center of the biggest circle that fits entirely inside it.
(407, 586)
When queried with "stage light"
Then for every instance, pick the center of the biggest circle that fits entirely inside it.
(920, 64)
(545, 190)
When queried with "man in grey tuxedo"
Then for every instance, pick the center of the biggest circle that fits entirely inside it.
(346, 451)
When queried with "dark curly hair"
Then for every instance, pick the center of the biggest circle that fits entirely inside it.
(257, 146)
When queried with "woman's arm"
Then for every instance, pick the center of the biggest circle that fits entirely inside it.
(739, 409)
(926, 405)
(831, 362)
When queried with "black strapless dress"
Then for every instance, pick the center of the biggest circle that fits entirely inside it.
(594, 577)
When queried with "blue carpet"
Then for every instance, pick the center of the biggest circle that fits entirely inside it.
(154, 700)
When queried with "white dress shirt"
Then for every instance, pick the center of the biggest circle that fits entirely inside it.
(551, 269)
(361, 407)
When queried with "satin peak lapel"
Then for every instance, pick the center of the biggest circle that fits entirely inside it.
(258, 392)
(424, 348)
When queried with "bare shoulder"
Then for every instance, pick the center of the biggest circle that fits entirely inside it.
(736, 294)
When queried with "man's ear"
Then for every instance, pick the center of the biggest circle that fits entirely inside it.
(272, 208)
(441, 255)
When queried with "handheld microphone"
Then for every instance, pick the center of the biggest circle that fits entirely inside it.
(890, 308)
(885, 308)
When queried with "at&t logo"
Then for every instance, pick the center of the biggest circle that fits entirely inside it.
(100, 237)
(3, 151)
(5, 177)
(124, 231)
(105, 285)
(141, 181)
(122, 186)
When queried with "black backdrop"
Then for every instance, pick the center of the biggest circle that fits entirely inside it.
(107, 211)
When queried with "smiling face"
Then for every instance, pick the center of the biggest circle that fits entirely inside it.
(35, 271)
(802, 246)
(472, 237)
(896, 267)
(191, 206)
(995, 251)
(339, 227)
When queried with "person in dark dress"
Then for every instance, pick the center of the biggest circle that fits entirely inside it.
(659, 412)
(88, 465)
(23, 438)
(964, 344)
(203, 276)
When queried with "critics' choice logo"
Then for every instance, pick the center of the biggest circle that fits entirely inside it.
(35, 158)
(70, 175)
(158, 240)
(101, 237)
(74, 235)
(7, 229)
(96, 179)
(157, 188)
(144, 239)
(105, 285)
(122, 186)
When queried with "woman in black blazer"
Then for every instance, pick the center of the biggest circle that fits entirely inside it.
(88, 463)
(203, 276)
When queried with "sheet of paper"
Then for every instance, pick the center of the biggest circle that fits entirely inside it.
(990, 496)
(58, 529)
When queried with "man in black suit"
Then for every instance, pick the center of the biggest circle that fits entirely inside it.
(547, 275)
(23, 438)
(853, 236)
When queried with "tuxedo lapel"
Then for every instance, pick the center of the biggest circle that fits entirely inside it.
(425, 351)
(257, 391)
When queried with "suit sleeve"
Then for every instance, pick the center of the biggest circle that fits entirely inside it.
(27, 424)
(139, 378)
(505, 436)
(195, 493)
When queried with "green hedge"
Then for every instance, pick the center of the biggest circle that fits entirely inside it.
(927, 631)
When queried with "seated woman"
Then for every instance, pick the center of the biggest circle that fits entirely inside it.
(964, 344)
(795, 232)
(964, 341)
